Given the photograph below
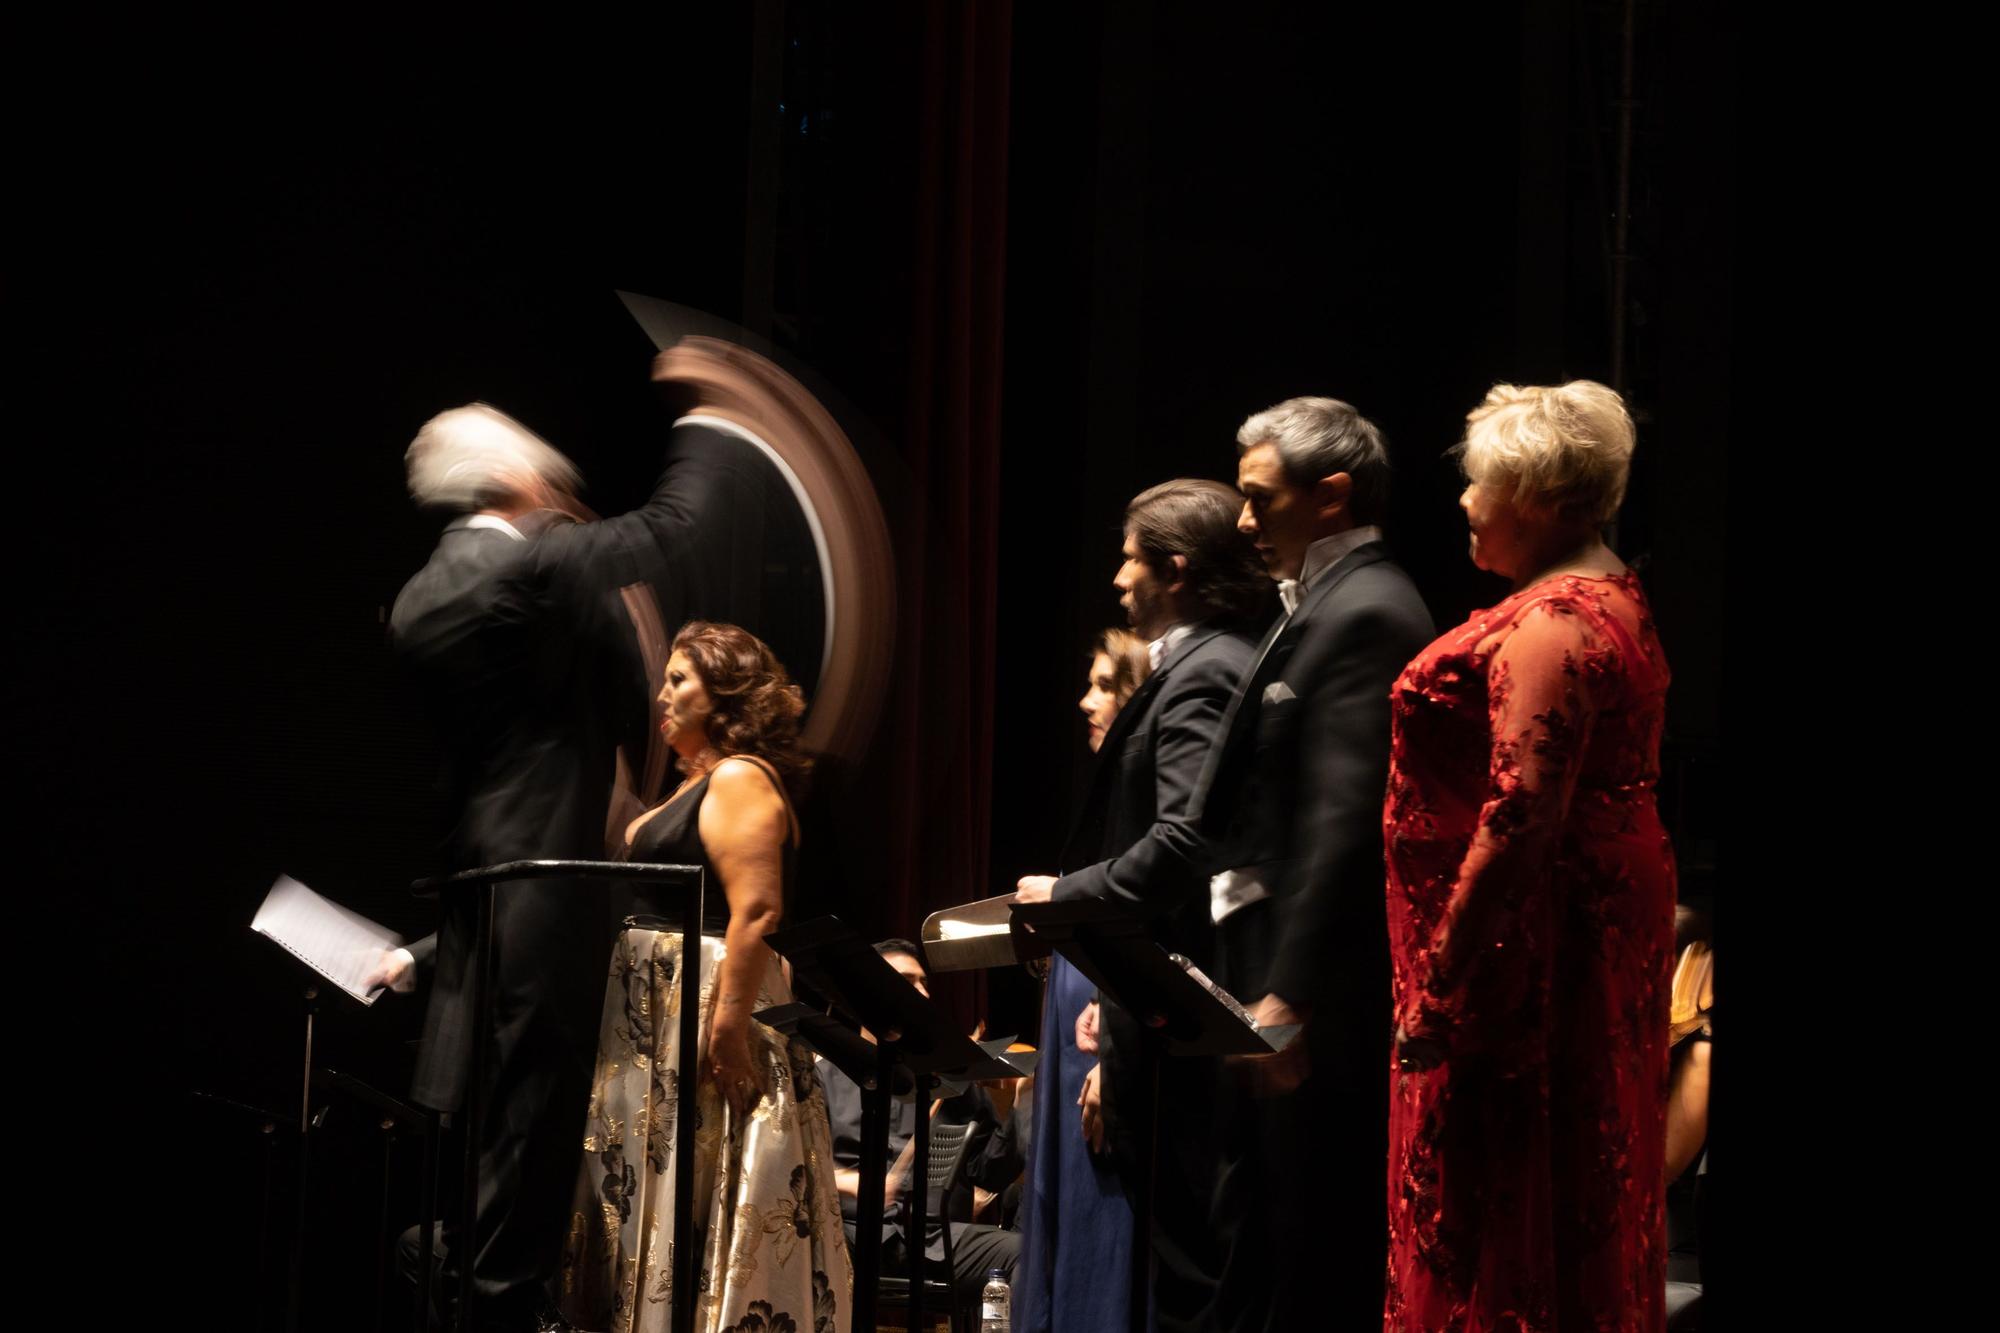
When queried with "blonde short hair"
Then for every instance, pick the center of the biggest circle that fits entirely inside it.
(472, 455)
(1550, 446)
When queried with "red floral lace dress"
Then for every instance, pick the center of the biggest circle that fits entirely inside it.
(1531, 926)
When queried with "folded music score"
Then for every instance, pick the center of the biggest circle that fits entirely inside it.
(970, 935)
(341, 945)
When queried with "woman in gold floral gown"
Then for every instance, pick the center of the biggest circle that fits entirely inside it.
(766, 1213)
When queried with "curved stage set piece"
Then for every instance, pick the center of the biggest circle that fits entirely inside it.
(807, 565)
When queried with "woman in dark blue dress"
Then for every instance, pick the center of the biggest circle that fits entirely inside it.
(1076, 1242)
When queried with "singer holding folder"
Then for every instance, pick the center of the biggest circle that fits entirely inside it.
(1192, 586)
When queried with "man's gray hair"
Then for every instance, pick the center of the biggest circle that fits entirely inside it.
(1317, 437)
(474, 455)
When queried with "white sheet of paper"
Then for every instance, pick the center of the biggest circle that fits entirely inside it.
(340, 945)
(951, 929)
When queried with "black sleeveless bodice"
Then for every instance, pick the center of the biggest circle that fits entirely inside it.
(673, 837)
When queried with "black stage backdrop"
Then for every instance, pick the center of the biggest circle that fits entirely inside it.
(1051, 256)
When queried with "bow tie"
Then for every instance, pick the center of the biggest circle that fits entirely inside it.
(1288, 593)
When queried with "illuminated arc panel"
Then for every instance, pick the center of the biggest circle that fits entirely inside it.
(806, 507)
(732, 386)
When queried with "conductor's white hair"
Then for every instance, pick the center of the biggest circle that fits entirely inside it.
(473, 455)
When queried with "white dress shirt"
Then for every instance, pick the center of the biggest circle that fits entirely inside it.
(1157, 650)
(1327, 552)
(496, 522)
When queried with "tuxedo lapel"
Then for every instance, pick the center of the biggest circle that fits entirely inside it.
(1142, 698)
(1269, 663)
(1234, 717)
(1128, 718)
(1105, 761)
(1360, 557)
(1195, 639)
(1279, 628)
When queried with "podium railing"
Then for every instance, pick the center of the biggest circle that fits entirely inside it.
(685, 883)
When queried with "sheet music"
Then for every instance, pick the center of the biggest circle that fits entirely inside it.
(970, 921)
(953, 929)
(340, 945)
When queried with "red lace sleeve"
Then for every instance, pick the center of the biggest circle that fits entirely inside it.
(1489, 957)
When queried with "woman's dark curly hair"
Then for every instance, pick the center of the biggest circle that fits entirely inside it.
(756, 706)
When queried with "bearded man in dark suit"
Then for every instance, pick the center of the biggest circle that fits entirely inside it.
(1297, 779)
(1192, 587)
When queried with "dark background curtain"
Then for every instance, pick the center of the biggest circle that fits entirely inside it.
(951, 87)
(942, 734)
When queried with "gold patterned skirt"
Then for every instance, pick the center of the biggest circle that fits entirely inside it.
(768, 1217)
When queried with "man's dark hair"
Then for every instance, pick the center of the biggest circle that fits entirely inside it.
(1691, 923)
(896, 944)
(1196, 519)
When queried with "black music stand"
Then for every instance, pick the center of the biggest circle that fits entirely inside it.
(684, 882)
(1109, 943)
(915, 1044)
(272, 1129)
(398, 1114)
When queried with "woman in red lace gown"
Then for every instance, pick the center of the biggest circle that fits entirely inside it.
(1531, 906)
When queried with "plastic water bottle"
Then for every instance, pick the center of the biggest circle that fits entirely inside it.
(996, 1303)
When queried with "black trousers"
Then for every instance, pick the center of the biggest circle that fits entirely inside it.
(1186, 1258)
(1301, 1185)
(551, 942)
(1301, 1205)
(527, 1184)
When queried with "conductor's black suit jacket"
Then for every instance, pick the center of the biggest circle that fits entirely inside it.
(523, 657)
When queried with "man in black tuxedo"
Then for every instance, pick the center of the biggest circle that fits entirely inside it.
(517, 643)
(1192, 587)
(1297, 779)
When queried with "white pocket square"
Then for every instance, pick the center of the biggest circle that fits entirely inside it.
(1277, 692)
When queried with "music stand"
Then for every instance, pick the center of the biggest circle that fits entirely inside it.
(1109, 943)
(682, 882)
(272, 1126)
(398, 1113)
(915, 1043)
